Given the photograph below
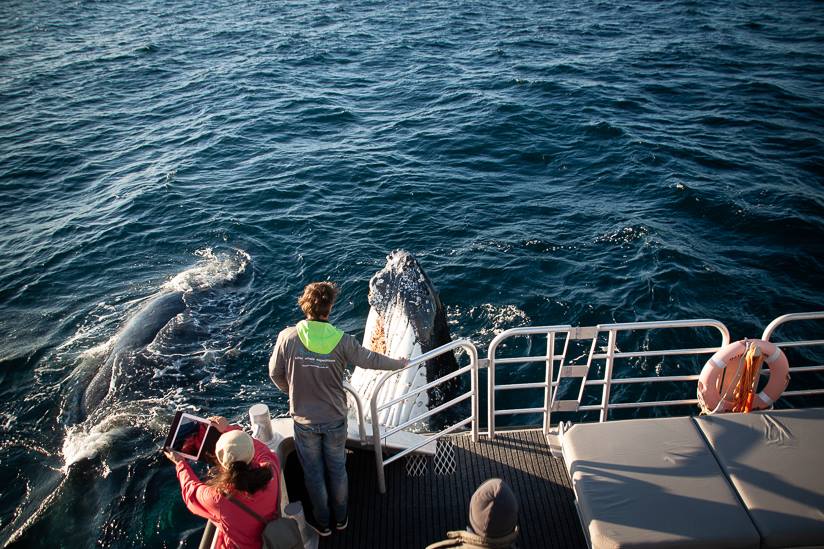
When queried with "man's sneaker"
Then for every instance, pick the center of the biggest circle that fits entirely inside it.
(341, 525)
(322, 531)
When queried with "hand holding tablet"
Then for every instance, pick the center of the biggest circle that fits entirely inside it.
(220, 422)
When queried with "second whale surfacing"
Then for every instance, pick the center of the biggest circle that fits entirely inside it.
(124, 371)
(116, 399)
(406, 319)
(136, 334)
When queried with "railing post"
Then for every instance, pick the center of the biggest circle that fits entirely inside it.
(473, 377)
(359, 405)
(608, 375)
(550, 364)
(376, 442)
(490, 391)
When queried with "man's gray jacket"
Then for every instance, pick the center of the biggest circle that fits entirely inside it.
(308, 363)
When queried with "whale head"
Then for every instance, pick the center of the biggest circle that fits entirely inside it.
(402, 289)
(406, 319)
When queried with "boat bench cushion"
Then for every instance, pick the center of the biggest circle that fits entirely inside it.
(774, 461)
(653, 483)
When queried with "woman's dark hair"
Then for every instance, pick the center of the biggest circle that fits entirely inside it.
(240, 476)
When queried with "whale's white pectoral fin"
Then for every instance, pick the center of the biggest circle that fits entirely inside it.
(418, 381)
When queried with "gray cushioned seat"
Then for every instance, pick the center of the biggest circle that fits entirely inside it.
(775, 461)
(653, 483)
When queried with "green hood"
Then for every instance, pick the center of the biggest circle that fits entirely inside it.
(318, 337)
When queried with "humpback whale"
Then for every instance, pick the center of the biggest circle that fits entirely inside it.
(100, 376)
(118, 393)
(136, 334)
(406, 319)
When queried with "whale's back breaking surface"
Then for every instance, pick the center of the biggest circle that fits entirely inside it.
(142, 328)
(136, 334)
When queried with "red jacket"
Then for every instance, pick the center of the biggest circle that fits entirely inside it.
(235, 527)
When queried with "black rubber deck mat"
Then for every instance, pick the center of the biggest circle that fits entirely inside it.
(419, 510)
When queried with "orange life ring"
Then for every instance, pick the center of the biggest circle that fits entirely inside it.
(709, 382)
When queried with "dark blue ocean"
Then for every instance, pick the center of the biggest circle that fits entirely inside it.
(547, 163)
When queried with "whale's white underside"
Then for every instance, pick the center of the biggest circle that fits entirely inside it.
(394, 336)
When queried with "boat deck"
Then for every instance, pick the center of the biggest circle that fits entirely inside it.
(426, 497)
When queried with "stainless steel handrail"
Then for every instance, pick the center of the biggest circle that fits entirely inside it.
(550, 332)
(550, 384)
(611, 354)
(612, 330)
(792, 317)
(359, 404)
(795, 317)
(470, 349)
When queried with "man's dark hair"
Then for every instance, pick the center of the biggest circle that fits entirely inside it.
(317, 299)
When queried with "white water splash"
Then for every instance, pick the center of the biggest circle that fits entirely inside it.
(100, 430)
(493, 319)
(215, 269)
(81, 444)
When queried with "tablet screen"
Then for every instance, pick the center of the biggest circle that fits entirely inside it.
(191, 436)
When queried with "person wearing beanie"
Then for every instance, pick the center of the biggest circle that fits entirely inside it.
(493, 519)
(308, 363)
(247, 471)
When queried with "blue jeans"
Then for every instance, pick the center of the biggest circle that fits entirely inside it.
(322, 453)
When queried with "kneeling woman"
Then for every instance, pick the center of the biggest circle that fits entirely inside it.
(247, 475)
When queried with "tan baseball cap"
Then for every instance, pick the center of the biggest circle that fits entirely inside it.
(234, 446)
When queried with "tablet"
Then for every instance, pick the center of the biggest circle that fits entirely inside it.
(192, 437)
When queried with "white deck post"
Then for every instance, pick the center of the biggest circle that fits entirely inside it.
(608, 375)
(550, 364)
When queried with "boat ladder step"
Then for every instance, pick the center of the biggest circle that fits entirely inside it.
(572, 371)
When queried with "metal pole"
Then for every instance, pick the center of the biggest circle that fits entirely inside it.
(359, 405)
(473, 376)
(550, 361)
(608, 375)
(208, 538)
(490, 396)
(376, 437)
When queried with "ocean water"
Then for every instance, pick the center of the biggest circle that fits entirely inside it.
(571, 162)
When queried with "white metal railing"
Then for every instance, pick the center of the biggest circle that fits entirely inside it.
(470, 349)
(550, 383)
(593, 332)
(797, 317)
(550, 332)
(359, 409)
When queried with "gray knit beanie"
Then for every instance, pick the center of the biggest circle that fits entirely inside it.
(493, 509)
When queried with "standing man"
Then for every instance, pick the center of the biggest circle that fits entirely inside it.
(308, 364)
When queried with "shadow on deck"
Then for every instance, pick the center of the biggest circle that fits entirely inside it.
(426, 497)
